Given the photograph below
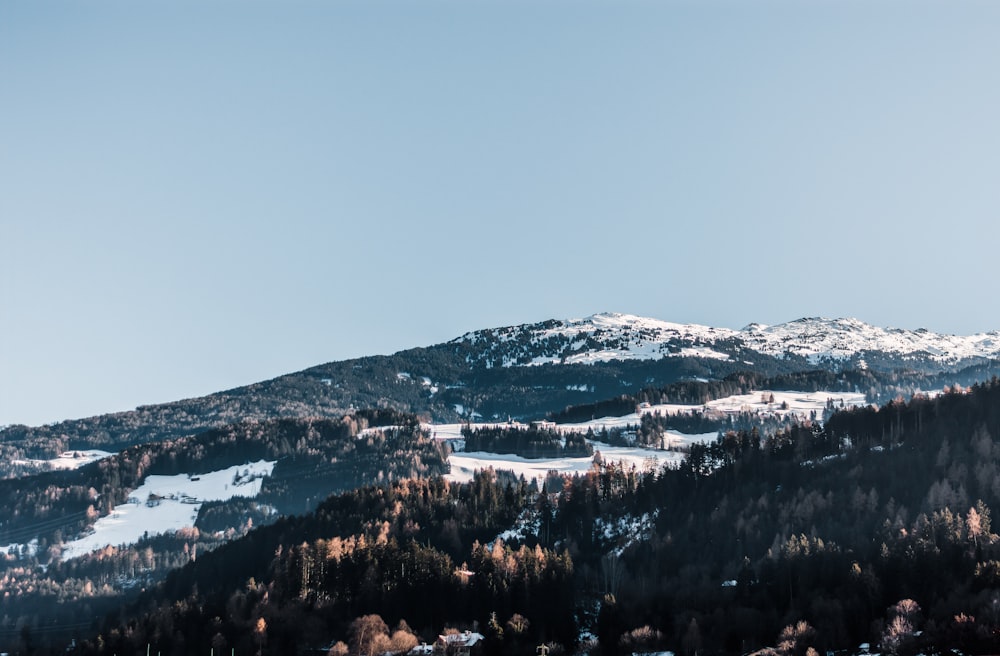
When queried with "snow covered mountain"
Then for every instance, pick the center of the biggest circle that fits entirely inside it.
(611, 336)
(498, 373)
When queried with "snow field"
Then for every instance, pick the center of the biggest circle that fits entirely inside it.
(465, 464)
(799, 404)
(168, 503)
(71, 459)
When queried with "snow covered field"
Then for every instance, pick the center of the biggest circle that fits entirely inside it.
(784, 403)
(799, 404)
(463, 464)
(169, 503)
(69, 459)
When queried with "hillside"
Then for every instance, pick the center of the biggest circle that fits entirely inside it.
(665, 432)
(526, 372)
(82, 541)
(873, 528)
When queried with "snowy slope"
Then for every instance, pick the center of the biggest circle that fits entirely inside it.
(819, 338)
(68, 460)
(612, 336)
(464, 464)
(169, 503)
(598, 338)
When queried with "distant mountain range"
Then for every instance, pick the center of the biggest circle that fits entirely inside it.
(533, 370)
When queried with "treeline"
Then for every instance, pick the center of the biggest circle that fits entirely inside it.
(528, 441)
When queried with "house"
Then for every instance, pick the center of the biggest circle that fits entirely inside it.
(543, 425)
(466, 643)
(629, 436)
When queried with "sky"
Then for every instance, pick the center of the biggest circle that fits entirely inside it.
(200, 195)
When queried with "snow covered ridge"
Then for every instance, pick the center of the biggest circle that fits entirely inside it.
(842, 338)
(612, 336)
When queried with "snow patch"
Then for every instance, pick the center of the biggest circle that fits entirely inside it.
(465, 464)
(69, 459)
(627, 530)
(785, 403)
(528, 523)
(28, 550)
(164, 504)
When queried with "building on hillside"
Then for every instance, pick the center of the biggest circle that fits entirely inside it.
(543, 425)
(466, 643)
(629, 436)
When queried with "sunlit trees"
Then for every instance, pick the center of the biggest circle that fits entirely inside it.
(369, 636)
(903, 618)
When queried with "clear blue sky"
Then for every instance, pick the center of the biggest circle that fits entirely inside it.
(198, 195)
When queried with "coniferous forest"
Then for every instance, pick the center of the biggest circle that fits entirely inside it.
(874, 527)
(528, 442)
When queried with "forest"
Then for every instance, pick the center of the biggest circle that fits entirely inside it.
(314, 459)
(874, 527)
(528, 441)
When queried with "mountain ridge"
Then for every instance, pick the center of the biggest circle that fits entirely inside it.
(534, 370)
(610, 336)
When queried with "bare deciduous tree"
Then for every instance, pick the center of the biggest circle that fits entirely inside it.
(369, 635)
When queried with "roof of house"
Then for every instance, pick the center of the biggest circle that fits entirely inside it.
(466, 639)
